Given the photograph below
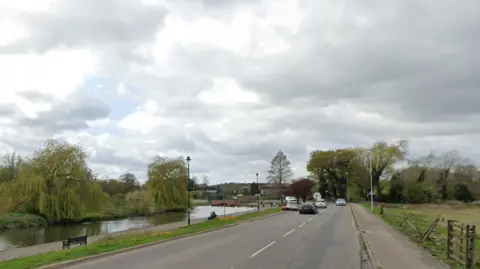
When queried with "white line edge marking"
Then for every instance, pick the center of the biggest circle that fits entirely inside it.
(303, 223)
(262, 249)
(291, 231)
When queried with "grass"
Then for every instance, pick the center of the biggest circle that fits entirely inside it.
(422, 216)
(121, 242)
(20, 220)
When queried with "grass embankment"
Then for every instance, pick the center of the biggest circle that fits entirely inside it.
(20, 220)
(126, 241)
(422, 216)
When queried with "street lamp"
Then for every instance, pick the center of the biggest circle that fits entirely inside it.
(348, 188)
(188, 189)
(258, 195)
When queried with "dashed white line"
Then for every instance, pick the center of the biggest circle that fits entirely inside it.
(291, 231)
(303, 223)
(311, 218)
(262, 249)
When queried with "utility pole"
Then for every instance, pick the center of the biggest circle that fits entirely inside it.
(348, 188)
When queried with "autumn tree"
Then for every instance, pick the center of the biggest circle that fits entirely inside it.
(280, 170)
(301, 188)
(167, 182)
(55, 183)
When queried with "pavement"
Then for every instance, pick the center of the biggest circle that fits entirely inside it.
(390, 248)
(327, 240)
(57, 246)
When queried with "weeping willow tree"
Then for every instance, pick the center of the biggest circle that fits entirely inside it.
(56, 183)
(167, 183)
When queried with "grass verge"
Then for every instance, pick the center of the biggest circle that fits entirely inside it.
(20, 220)
(421, 219)
(121, 242)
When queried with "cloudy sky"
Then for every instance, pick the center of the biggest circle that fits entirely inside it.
(231, 82)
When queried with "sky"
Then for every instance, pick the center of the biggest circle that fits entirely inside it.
(231, 82)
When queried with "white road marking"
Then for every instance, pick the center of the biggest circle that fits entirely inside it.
(311, 218)
(291, 231)
(262, 249)
(303, 223)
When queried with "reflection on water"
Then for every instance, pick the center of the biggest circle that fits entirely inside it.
(12, 238)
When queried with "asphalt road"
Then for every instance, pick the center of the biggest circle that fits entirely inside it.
(327, 241)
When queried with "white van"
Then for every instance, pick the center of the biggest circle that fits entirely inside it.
(292, 204)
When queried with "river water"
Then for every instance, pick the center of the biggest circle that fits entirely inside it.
(13, 238)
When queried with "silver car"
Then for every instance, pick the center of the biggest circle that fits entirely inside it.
(340, 202)
(321, 204)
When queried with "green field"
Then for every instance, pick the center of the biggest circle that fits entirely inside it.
(422, 216)
(130, 240)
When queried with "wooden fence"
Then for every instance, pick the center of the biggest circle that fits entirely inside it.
(460, 238)
(461, 243)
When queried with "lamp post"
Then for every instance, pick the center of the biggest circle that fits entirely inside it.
(348, 188)
(258, 195)
(188, 189)
(371, 181)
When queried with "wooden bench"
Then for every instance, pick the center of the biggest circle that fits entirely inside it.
(81, 240)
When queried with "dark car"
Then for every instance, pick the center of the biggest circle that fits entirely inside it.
(307, 208)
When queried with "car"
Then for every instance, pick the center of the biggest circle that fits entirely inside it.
(340, 202)
(307, 208)
(292, 205)
(321, 204)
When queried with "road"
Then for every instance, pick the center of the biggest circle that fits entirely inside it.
(327, 240)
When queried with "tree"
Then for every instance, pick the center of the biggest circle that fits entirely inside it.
(301, 188)
(280, 170)
(55, 183)
(193, 182)
(205, 183)
(254, 188)
(129, 178)
(140, 202)
(167, 182)
(331, 168)
(10, 168)
(382, 157)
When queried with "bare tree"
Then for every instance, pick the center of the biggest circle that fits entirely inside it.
(205, 183)
(280, 170)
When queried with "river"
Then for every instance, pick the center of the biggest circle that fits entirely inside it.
(13, 238)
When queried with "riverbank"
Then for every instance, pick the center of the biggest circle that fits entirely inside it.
(20, 220)
(14, 220)
(33, 257)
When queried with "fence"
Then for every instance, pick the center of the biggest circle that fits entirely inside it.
(452, 237)
(461, 243)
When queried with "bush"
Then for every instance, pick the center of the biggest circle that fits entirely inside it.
(418, 193)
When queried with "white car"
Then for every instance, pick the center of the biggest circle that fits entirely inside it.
(292, 206)
(321, 204)
(341, 202)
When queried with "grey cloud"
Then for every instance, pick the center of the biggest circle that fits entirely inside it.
(69, 114)
(35, 96)
(8, 110)
(76, 23)
(110, 157)
(421, 62)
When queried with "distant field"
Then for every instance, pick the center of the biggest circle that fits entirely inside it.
(469, 214)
